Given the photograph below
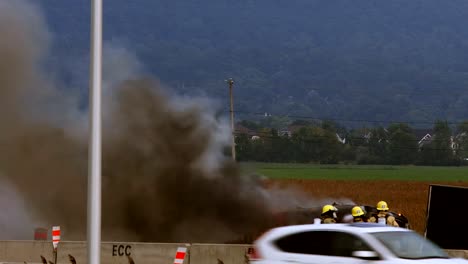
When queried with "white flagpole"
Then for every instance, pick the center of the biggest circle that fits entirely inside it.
(94, 163)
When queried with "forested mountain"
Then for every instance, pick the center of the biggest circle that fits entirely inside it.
(377, 60)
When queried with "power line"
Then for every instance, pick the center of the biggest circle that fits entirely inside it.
(312, 140)
(320, 118)
(266, 134)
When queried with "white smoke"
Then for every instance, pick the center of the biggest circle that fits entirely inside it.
(15, 220)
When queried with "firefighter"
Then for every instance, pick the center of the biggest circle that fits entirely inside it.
(329, 214)
(358, 214)
(383, 216)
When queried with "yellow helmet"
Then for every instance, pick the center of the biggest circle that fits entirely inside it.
(328, 208)
(357, 211)
(382, 206)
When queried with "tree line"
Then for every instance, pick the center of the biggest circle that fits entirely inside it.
(328, 143)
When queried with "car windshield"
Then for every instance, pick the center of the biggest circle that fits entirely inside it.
(410, 245)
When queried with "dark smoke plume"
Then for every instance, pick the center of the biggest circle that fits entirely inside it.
(36, 157)
(164, 175)
(157, 183)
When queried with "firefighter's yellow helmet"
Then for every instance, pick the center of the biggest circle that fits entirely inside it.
(328, 208)
(357, 211)
(382, 206)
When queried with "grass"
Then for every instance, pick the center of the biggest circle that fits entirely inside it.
(358, 172)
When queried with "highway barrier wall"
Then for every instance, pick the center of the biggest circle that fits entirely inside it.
(113, 252)
(218, 253)
(458, 253)
(139, 253)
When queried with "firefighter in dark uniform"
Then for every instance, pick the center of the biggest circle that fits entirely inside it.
(383, 216)
(329, 214)
(358, 214)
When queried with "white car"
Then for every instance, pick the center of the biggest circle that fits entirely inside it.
(346, 243)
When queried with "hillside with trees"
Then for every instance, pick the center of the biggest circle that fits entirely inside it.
(373, 60)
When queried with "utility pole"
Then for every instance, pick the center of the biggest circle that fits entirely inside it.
(230, 82)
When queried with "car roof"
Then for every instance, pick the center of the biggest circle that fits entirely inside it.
(352, 227)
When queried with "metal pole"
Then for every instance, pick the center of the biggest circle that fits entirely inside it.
(55, 255)
(94, 169)
(230, 81)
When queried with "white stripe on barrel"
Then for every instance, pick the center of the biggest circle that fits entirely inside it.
(55, 236)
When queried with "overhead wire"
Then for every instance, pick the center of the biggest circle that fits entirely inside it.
(345, 136)
(323, 118)
(311, 140)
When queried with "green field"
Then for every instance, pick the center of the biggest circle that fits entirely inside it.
(358, 172)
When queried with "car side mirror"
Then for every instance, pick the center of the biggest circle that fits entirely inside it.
(367, 255)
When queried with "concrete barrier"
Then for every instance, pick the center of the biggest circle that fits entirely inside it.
(119, 253)
(111, 253)
(458, 253)
(20, 251)
(141, 253)
(218, 254)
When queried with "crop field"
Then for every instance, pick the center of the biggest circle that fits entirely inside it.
(358, 172)
(405, 188)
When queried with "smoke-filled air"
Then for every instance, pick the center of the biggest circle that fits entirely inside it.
(165, 177)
